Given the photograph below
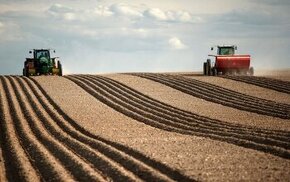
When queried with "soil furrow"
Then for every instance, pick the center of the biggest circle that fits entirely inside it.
(68, 159)
(194, 90)
(18, 165)
(208, 95)
(157, 121)
(226, 93)
(129, 106)
(130, 164)
(221, 90)
(87, 154)
(270, 83)
(192, 120)
(165, 170)
(159, 106)
(33, 148)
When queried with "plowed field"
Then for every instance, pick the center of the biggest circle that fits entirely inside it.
(144, 127)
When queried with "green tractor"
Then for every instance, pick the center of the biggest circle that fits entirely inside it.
(41, 64)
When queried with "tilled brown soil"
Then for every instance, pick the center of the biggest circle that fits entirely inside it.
(283, 75)
(46, 144)
(94, 128)
(246, 88)
(220, 95)
(200, 106)
(271, 83)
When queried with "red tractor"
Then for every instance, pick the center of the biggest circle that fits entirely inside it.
(228, 63)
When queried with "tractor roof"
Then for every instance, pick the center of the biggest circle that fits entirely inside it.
(228, 45)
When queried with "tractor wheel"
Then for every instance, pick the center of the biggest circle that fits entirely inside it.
(59, 66)
(214, 71)
(26, 71)
(251, 71)
(208, 61)
(205, 68)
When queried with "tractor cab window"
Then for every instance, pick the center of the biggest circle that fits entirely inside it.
(40, 54)
(226, 51)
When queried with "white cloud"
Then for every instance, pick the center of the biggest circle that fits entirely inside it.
(175, 43)
(125, 10)
(171, 16)
(59, 8)
(156, 14)
(69, 16)
(103, 11)
(10, 32)
(64, 12)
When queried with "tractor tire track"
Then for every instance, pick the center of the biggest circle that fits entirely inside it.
(270, 83)
(141, 166)
(108, 147)
(221, 95)
(160, 119)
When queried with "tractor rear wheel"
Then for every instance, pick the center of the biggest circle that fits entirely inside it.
(214, 71)
(59, 66)
(26, 71)
(205, 68)
(251, 71)
(209, 72)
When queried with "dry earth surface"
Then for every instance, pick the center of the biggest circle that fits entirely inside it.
(124, 127)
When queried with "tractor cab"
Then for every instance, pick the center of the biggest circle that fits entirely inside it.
(226, 50)
(41, 64)
(37, 54)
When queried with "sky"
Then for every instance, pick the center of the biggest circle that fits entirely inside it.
(110, 36)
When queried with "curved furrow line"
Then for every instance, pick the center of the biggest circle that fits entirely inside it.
(230, 101)
(131, 107)
(125, 109)
(170, 112)
(18, 165)
(112, 149)
(205, 93)
(168, 116)
(73, 163)
(270, 83)
(34, 149)
(222, 90)
(102, 165)
(135, 166)
(217, 91)
(171, 125)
